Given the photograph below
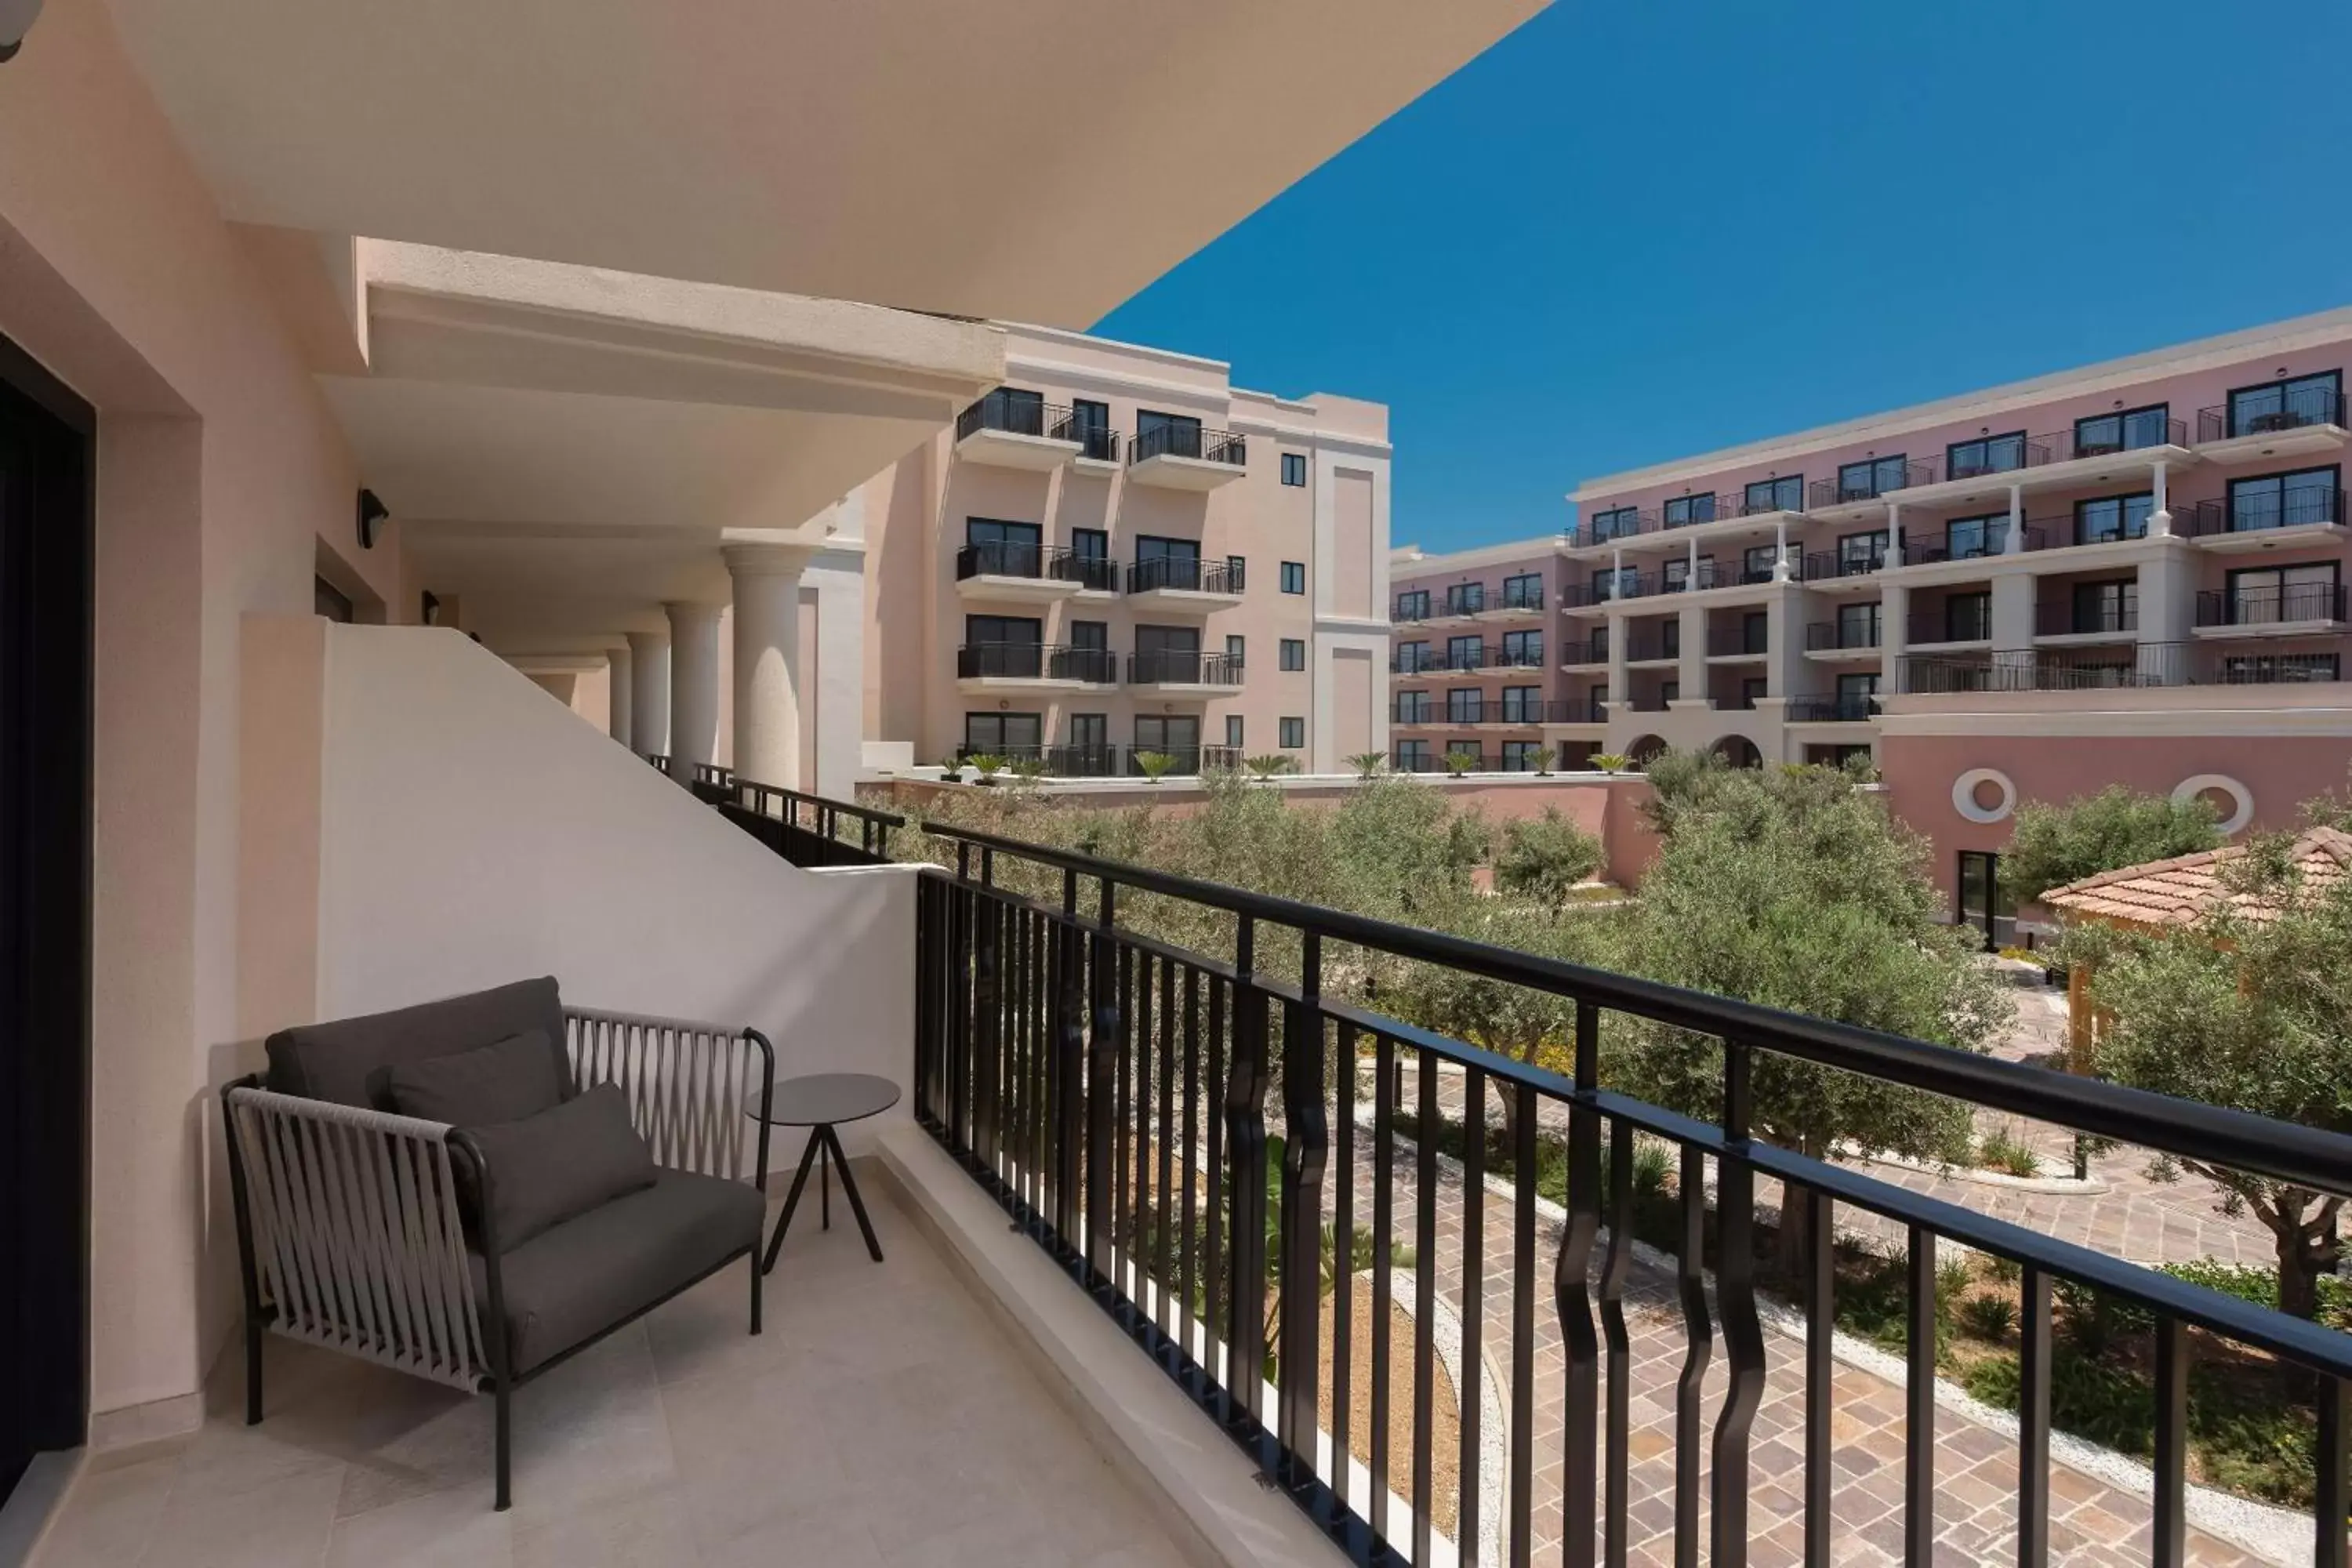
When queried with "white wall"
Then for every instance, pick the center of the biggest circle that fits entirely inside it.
(471, 833)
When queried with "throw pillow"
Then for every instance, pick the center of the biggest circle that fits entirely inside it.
(504, 1081)
(564, 1161)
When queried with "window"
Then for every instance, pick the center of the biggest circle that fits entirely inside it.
(2111, 517)
(1857, 625)
(1756, 632)
(1412, 756)
(1872, 476)
(2287, 404)
(1983, 906)
(2110, 606)
(1617, 522)
(1234, 731)
(1785, 493)
(1002, 734)
(1003, 629)
(1165, 563)
(1005, 646)
(1524, 592)
(1986, 454)
(1415, 707)
(1010, 409)
(1524, 649)
(1089, 748)
(1464, 707)
(2283, 500)
(1860, 553)
(1967, 538)
(1090, 428)
(1236, 647)
(1413, 605)
(1462, 598)
(1523, 705)
(2125, 432)
(1291, 733)
(1751, 687)
(1606, 583)
(1674, 576)
(1294, 653)
(1158, 435)
(1596, 646)
(2270, 594)
(1001, 549)
(1670, 637)
(1090, 634)
(1466, 653)
(1237, 572)
(1168, 653)
(1089, 656)
(1968, 618)
(1522, 756)
(1293, 468)
(1090, 564)
(1294, 576)
(1758, 565)
(329, 601)
(1686, 509)
(1857, 687)
(1412, 658)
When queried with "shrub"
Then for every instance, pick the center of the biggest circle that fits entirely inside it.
(1368, 765)
(1988, 1317)
(2055, 844)
(1269, 764)
(1156, 765)
(2002, 1151)
(1545, 857)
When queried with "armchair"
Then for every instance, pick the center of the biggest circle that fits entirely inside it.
(371, 1233)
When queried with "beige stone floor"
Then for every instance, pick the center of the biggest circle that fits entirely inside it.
(882, 1419)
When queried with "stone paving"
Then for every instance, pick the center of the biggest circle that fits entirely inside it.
(1976, 1489)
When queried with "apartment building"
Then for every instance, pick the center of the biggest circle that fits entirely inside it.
(1477, 662)
(1119, 553)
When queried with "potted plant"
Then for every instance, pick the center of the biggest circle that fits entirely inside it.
(1264, 768)
(988, 765)
(1368, 765)
(951, 769)
(1156, 765)
(1610, 762)
(1458, 763)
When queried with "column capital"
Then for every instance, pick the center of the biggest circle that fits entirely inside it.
(765, 560)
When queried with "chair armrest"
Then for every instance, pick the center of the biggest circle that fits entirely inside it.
(688, 1085)
(349, 1233)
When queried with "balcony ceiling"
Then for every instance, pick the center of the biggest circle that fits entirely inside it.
(1037, 161)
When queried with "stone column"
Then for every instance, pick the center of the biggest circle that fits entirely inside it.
(617, 705)
(649, 693)
(2159, 519)
(1893, 635)
(2015, 543)
(693, 686)
(768, 677)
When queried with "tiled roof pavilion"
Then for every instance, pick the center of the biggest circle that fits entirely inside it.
(2176, 891)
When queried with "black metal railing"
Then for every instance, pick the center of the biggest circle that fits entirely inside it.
(1518, 596)
(1589, 533)
(1036, 661)
(2132, 435)
(2245, 606)
(2299, 509)
(810, 830)
(1822, 566)
(1185, 573)
(1177, 669)
(2043, 670)
(712, 784)
(1835, 492)
(2064, 617)
(658, 763)
(1416, 661)
(1996, 457)
(1590, 649)
(1407, 612)
(1465, 599)
(1936, 625)
(2294, 411)
(1737, 642)
(1189, 441)
(1014, 415)
(1096, 443)
(1180, 1130)
(1042, 563)
(1842, 709)
(1649, 644)
(1822, 636)
(1931, 551)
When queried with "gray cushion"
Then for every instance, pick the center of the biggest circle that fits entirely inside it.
(573, 1282)
(503, 1082)
(549, 1168)
(347, 1060)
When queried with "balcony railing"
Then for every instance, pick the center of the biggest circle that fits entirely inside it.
(1121, 1098)
(1592, 649)
(2296, 411)
(1824, 565)
(1165, 668)
(1648, 643)
(1836, 492)
(2302, 509)
(1935, 626)
(809, 830)
(1409, 611)
(1934, 549)
(2033, 669)
(2270, 606)
(1039, 562)
(1822, 636)
(1737, 642)
(1844, 709)
(1588, 533)
(1189, 441)
(1187, 574)
(1036, 661)
(1015, 417)
(2134, 435)
(2062, 617)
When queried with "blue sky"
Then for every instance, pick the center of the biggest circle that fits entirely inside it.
(1631, 232)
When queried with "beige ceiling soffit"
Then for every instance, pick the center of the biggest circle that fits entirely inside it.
(443, 531)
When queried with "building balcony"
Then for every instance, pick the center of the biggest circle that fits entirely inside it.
(1030, 574)
(1183, 584)
(1736, 644)
(1009, 429)
(1835, 499)
(1182, 674)
(1583, 653)
(1034, 666)
(1931, 628)
(1840, 709)
(2104, 451)
(2306, 422)
(1836, 639)
(2296, 610)
(1486, 711)
(1186, 457)
(2061, 620)
(2306, 518)
(1843, 571)
(2146, 664)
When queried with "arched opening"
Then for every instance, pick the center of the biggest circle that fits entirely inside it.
(1740, 752)
(1643, 750)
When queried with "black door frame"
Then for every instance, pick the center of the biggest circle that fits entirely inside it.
(48, 459)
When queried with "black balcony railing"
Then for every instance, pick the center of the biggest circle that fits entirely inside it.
(1409, 611)
(2245, 606)
(1465, 599)
(1822, 566)
(1935, 548)
(2295, 410)
(1121, 1097)
(2298, 510)
(1187, 574)
(1592, 649)
(1166, 668)
(1015, 415)
(1647, 644)
(1982, 460)
(1518, 596)
(2062, 617)
(1189, 441)
(1737, 642)
(809, 830)
(1040, 562)
(1416, 661)
(1823, 637)
(1937, 625)
(1837, 492)
(1842, 708)
(2032, 670)
(2131, 434)
(1036, 661)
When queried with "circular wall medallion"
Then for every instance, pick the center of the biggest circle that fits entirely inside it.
(2242, 799)
(1967, 789)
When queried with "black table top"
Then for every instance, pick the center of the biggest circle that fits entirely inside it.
(825, 1098)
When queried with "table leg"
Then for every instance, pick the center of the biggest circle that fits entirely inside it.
(857, 1203)
(791, 1201)
(825, 1191)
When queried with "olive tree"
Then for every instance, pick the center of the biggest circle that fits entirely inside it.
(2055, 844)
(1545, 857)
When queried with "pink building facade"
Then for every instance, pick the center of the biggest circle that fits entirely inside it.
(1119, 552)
(1478, 662)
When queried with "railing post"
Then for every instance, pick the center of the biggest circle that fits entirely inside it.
(1069, 1035)
(988, 1013)
(1735, 1294)
(1245, 1179)
(1305, 1148)
(1573, 1296)
(1102, 1084)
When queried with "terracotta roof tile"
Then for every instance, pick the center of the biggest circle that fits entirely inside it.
(2176, 892)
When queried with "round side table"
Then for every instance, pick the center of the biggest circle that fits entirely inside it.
(820, 1102)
